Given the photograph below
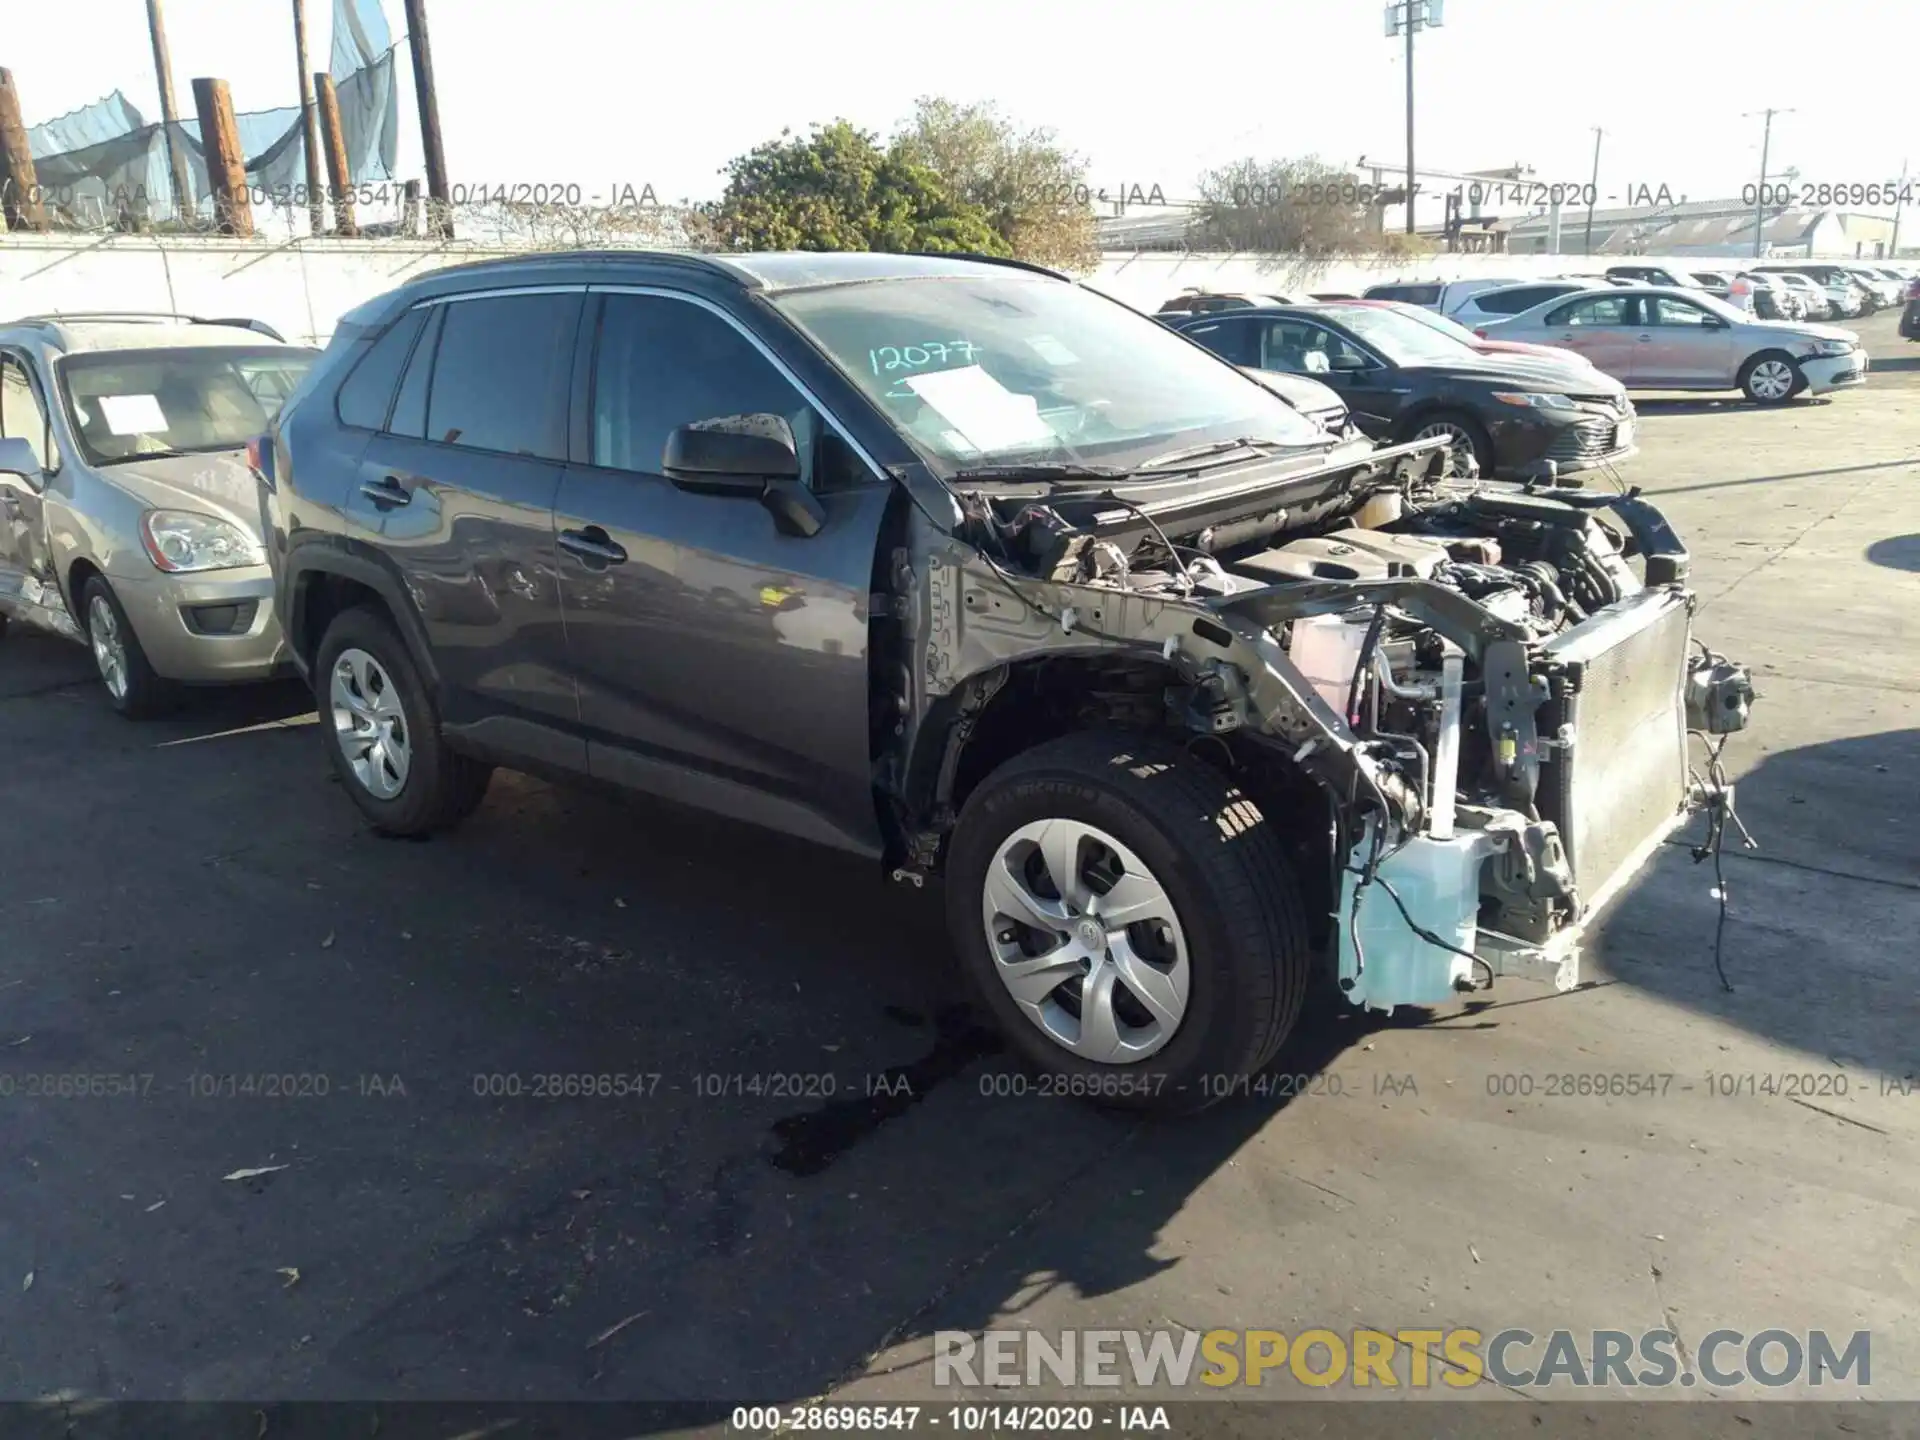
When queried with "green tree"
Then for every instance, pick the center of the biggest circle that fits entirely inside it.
(839, 189)
(1303, 207)
(1034, 193)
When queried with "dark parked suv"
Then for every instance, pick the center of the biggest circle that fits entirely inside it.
(961, 566)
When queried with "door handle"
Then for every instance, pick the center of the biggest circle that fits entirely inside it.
(1645, 338)
(386, 492)
(593, 545)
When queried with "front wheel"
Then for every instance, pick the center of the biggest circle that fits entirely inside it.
(1771, 378)
(133, 687)
(1130, 920)
(383, 735)
(1466, 435)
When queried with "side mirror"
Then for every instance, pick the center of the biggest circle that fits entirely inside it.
(750, 457)
(17, 458)
(1349, 363)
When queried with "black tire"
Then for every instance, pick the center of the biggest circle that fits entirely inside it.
(1225, 871)
(1476, 433)
(442, 787)
(146, 693)
(1754, 362)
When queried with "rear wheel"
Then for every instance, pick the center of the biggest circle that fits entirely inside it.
(1771, 378)
(1129, 919)
(383, 735)
(133, 688)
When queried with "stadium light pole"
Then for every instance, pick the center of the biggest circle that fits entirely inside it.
(1593, 189)
(1409, 17)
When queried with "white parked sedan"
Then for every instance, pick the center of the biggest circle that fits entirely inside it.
(1655, 337)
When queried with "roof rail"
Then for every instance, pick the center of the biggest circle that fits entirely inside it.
(1005, 260)
(144, 317)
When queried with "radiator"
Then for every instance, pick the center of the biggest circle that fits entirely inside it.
(1620, 786)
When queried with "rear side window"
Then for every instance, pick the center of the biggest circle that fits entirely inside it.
(1411, 294)
(410, 406)
(502, 374)
(368, 391)
(1512, 302)
(1234, 340)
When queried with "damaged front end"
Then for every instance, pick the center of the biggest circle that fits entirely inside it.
(1490, 686)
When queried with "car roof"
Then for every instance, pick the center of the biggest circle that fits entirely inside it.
(770, 270)
(79, 334)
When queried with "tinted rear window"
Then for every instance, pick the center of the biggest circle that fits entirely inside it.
(1411, 294)
(1512, 302)
(368, 391)
(502, 374)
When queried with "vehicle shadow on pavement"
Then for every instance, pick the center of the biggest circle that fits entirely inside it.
(1817, 947)
(1896, 552)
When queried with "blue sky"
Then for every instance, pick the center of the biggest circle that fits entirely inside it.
(617, 93)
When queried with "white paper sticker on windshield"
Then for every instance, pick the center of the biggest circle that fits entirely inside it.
(991, 416)
(133, 414)
(1052, 351)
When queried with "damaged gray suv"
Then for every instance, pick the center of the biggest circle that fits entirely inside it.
(958, 565)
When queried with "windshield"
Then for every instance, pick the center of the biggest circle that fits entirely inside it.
(1401, 340)
(126, 404)
(1722, 308)
(1002, 369)
(1440, 323)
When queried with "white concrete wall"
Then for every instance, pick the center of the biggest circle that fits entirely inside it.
(301, 288)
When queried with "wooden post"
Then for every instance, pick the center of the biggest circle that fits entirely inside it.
(19, 185)
(183, 206)
(334, 143)
(309, 125)
(226, 166)
(440, 207)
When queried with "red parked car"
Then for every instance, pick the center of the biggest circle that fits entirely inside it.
(1462, 333)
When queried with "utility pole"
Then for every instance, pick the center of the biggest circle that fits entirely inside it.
(439, 202)
(309, 128)
(1593, 188)
(1760, 194)
(1407, 17)
(339, 178)
(1899, 203)
(19, 183)
(226, 164)
(170, 115)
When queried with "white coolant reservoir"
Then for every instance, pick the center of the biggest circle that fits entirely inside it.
(1438, 881)
(1381, 509)
(1326, 648)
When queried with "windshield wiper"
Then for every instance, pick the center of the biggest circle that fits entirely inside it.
(1219, 447)
(1041, 470)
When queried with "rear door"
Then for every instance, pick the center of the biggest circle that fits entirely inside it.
(719, 661)
(27, 586)
(1604, 328)
(457, 491)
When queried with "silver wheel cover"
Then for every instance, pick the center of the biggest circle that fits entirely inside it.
(109, 646)
(1086, 941)
(368, 724)
(1457, 438)
(1772, 380)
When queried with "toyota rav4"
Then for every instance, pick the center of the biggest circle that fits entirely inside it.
(966, 568)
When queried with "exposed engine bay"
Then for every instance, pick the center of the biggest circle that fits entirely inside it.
(1491, 685)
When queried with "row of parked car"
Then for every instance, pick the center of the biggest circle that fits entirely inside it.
(940, 560)
(1641, 327)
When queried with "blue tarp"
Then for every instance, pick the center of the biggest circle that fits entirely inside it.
(107, 157)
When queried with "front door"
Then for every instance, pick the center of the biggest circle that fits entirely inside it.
(719, 661)
(1682, 344)
(1374, 393)
(28, 587)
(458, 487)
(1602, 329)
